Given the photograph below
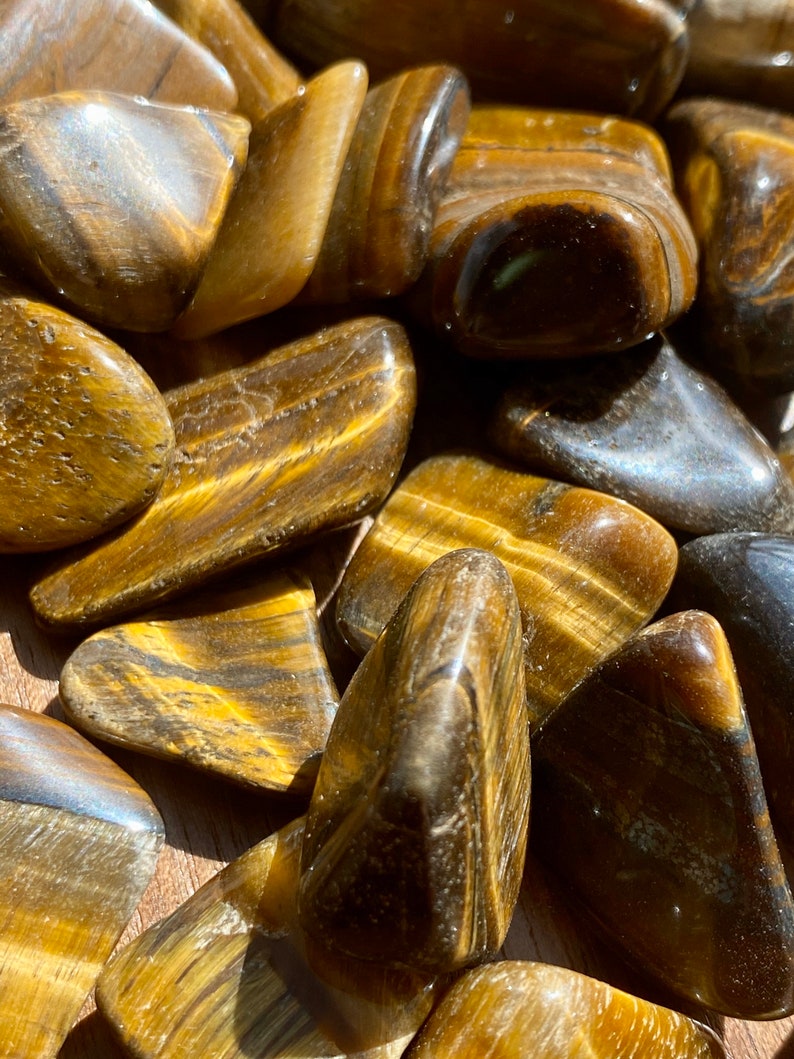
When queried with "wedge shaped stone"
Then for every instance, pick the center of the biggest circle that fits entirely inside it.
(417, 828)
(85, 436)
(231, 973)
(589, 570)
(112, 204)
(305, 439)
(650, 428)
(649, 803)
(234, 683)
(80, 842)
(274, 227)
(513, 1009)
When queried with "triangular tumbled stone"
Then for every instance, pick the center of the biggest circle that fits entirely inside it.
(649, 804)
(235, 684)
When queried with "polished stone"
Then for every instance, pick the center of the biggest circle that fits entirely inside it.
(649, 804)
(589, 570)
(112, 204)
(306, 439)
(417, 827)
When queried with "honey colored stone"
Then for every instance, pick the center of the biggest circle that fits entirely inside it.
(649, 804)
(514, 1009)
(589, 570)
(124, 46)
(305, 439)
(417, 828)
(273, 230)
(378, 234)
(234, 683)
(85, 436)
(230, 973)
(80, 841)
(112, 203)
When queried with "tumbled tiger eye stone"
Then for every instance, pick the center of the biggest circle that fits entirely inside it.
(85, 436)
(112, 203)
(650, 428)
(649, 803)
(273, 230)
(559, 235)
(589, 570)
(416, 831)
(235, 683)
(305, 439)
(514, 1009)
(80, 841)
(231, 973)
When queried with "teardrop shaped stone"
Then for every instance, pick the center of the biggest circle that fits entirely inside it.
(649, 803)
(80, 842)
(303, 440)
(85, 436)
(234, 683)
(417, 828)
(112, 203)
(589, 570)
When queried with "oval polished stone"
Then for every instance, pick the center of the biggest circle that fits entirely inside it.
(589, 570)
(235, 683)
(112, 203)
(417, 827)
(303, 440)
(649, 804)
(653, 430)
(85, 436)
(514, 1009)
(80, 842)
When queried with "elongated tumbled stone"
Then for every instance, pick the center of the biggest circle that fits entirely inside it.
(85, 436)
(235, 683)
(649, 803)
(305, 439)
(80, 842)
(230, 973)
(589, 570)
(416, 831)
(112, 203)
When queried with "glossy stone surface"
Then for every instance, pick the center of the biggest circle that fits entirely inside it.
(85, 436)
(112, 204)
(303, 440)
(559, 235)
(589, 570)
(650, 428)
(231, 973)
(650, 771)
(80, 841)
(514, 1009)
(378, 234)
(235, 683)
(273, 230)
(417, 827)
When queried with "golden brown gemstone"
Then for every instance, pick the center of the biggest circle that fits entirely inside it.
(589, 570)
(273, 230)
(378, 234)
(559, 235)
(85, 437)
(124, 46)
(649, 803)
(305, 439)
(235, 683)
(113, 203)
(515, 1009)
(417, 828)
(230, 973)
(80, 841)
